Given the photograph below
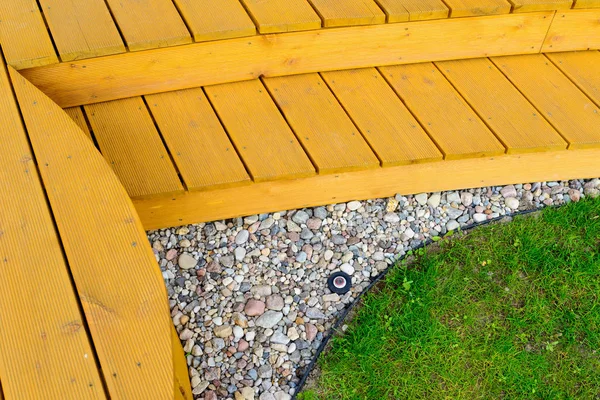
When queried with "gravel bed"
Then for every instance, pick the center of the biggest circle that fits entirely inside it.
(249, 296)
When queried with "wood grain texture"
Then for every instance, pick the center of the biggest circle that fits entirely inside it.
(327, 134)
(391, 130)
(574, 30)
(413, 10)
(76, 114)
(583, 69)
(129, 319)
(261, 135)
(272, 16)
(132, 146)
(148, 24)
(539, 5)
(23, 34)
(569, 111)
(469, 8)
(517, 124)
(586, 4)
(216, 19)
(368, 184)
(348, 12)
(82, 29)
(457, 130)
(155, 71)
(198, 143)
(43, 340)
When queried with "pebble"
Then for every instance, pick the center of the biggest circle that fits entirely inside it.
(249, 296)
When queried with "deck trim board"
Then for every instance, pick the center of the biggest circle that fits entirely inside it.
(574, 30)
(154, 71)
(321, 125)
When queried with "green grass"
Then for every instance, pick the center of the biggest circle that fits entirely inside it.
(509, 311)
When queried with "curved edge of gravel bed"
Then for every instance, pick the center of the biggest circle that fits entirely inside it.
(339, 322)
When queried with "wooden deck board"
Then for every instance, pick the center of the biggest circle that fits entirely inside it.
(82, 29)
(200, 147)
(330, 138)
(132, 146)
(540, 5)
(148, 24)
(348, 12)
(413, 10)
(76, 114)
(23, 34)
(571, 113)
(272, 16)
(583, 68)
(517, 124)
(392, 132)
(586, 4)
(456, 130)
(263, 139)
(216, 19)
(114, 269)
(574, 30)
(43, 339)
(466, 8)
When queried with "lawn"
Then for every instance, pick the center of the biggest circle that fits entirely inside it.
(508, 311)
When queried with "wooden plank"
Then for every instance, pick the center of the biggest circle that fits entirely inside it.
(516, 123)
(200, 147)
(569, 111)
(23, 34)
(106, 246)
(457, 131)
(148, 24)
(46, 353)
(132, 146)
(183, 67)
(348, 12)
(265, 197)
(391, 130)
(574, 30)
(583, 69)
(539, 5)
(272, 16)
(82, 29)
(413, 10)
(76, 114)
(587, 4)
(469, 8)
(265, 142)
(216, 19)
(327, 134)
(182, 389)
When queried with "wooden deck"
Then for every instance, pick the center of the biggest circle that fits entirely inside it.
(182, 111)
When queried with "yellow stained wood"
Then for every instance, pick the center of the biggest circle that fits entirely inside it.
(272, 16)
(413, 10)
(367, 184)
(540, 5)
(469, 8)
(571, 113)
(23, 35)
(131, 145)
(587, 4)
(348, 12)
(76, 115)
(182, 389)
(574, 30)
(517, 124)
(443, 113)
(391, 130)
(216, 19)
(42, 337)
(583, 68)
(264, 140)
(183, 67)
(119, 284)
(200, 147)
(82, 29)
(148, 24)
(330, 138)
